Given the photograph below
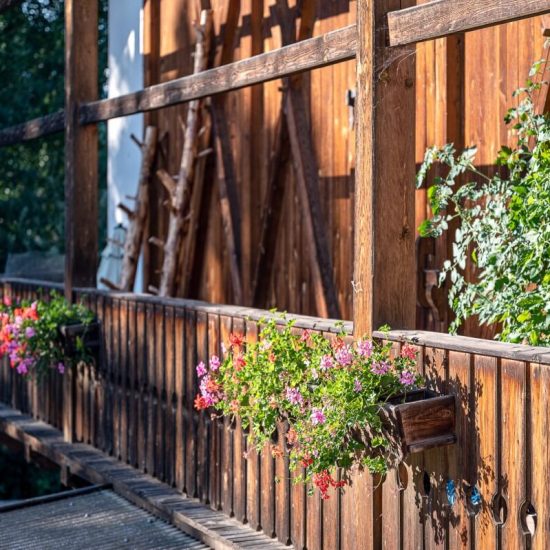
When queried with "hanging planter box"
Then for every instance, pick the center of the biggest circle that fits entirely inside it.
(90, 335)
(422, 419)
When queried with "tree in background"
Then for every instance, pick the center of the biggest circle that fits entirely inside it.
(32, 176)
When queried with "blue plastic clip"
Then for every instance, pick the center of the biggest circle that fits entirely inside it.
(451, 492)
(475, 496)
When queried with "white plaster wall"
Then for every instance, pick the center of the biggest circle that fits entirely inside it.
(125, 75)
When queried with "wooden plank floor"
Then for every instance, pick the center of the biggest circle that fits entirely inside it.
(210, 527)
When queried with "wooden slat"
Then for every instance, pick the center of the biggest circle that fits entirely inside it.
(33, 129)
(445, 17)
(540, 426)
(141, 385)
(133, 386)
(203, 439)
(191, 417)
(169, 396)
(214, 482)
(486, 428)
(180, 393)
(314, 53)
(227, 481)
(512, 451)
(160, 385)
(152, 395)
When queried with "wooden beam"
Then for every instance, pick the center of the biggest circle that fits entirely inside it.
(333, 47)
(81, 175)
(384, 242)
(441, 18)
(81, 146)
(33, 129)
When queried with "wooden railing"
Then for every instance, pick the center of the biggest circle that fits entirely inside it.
(137, 405)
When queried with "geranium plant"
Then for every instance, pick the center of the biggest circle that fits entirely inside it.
(30, 334)
(503, 227)
(326, 394)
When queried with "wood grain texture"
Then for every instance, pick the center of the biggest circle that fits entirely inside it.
(384, 196)
(441, 18)
(334, 47)
(81, 146)
(33, 129)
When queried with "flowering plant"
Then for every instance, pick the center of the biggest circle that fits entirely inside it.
(30, 337)
(328, 393)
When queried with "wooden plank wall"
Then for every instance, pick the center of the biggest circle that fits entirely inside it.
(463, 91)
(137, 405)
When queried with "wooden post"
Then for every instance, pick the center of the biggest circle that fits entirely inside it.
(81, 159)
(81, 154)
(384, 264)
(384, 239)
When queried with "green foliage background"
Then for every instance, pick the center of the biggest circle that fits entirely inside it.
(31, 85)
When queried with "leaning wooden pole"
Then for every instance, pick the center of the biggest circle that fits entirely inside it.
(138, 217)
(181, 193)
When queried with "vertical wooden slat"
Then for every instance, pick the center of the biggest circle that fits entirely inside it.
(487, 451)
(133, 386)
(253, 471)
(226, 327)
(436, 461)
(142, 405)
(191, 415)
(152, 390)
(170, 398)
(203, 443)
(512, 451)
(124, 390)
(540, 425)
(116, 377)
(282, 493)
(462, 454)
(160, 385)
(180, 389)
(239, 448)
(214, 493)
(109, 385)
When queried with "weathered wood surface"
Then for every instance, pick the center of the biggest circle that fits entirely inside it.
(137, 405)
(441, 18)
(33, 129)
(136, 225)
(384, 198)
(333, 47)
(180, 197)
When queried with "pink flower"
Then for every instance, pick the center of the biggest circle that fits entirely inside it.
(214, 363)
(201, 369)
(344, 356)
(326, 362)
(60, 368)
(317, 417)
(294, 397)
(408, 352)
(29, 332)
(7, 301)
(357, 386)
(364, 348)
(22, 368)
(380, 368)
(407, 378)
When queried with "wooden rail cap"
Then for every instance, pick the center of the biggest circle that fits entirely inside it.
(441, 18)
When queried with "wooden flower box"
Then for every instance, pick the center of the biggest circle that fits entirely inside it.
(422, 420)
(90, 334)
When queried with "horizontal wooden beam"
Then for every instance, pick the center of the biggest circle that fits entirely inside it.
(33, 129)
(333, 47)
(441, 18)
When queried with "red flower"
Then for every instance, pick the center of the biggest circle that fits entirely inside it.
(305, 462)
(239, 362)
(236, 340)
(323, 481)
(408, 352)
(200, 403)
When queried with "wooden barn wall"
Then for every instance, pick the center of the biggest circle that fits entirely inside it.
(464, 87)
